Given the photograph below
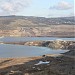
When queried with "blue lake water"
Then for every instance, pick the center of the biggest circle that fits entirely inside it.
(25, 51)
(8, 50)
(23, 39)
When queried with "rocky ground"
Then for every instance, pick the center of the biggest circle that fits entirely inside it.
(56, 44)
(34, 31)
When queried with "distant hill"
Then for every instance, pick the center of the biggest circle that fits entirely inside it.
(36, 26)
(6, 22)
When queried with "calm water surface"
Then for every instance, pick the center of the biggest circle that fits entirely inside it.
(22, 39)
(8, 50)
(25, 51)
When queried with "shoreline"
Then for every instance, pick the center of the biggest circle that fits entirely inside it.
(27, 65)
(54, 64)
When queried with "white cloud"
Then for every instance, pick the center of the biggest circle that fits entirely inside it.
(7, 6)
(63, 5)
(14, 6)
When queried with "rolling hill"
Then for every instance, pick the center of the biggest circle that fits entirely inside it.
(36, 26)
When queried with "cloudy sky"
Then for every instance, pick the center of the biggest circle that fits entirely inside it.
(42, 8)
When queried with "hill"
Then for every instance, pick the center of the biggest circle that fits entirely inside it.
(36, 26)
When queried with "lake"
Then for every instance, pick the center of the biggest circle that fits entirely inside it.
(23, 39)
(8, 50)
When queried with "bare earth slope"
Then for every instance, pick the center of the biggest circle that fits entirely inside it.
(36, 26)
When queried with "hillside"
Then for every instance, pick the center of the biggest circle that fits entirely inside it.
(36, 26)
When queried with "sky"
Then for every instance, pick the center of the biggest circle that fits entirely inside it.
(39, 8)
